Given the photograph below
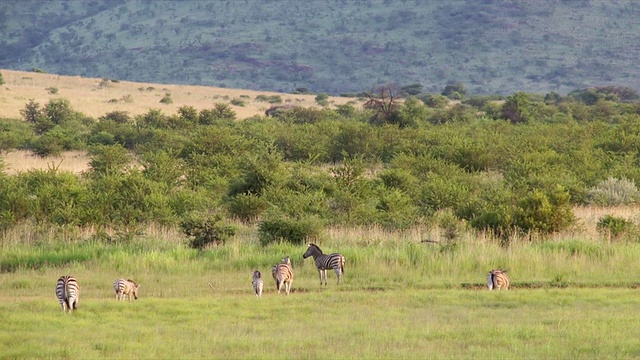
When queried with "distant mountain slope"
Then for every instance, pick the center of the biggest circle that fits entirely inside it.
(492, 46)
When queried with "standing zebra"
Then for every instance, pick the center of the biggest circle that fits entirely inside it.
(283, 275)
(257, 283)
(324, 262)
(68, 293)
(497, 279)
(124, 288)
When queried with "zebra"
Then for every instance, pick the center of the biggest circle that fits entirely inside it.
(323, 262)
(124, 288)
(283, 275)
(68, 293)
(257, 283)
(497, 279)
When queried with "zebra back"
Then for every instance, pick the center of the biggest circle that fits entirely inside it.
(283, 275)
(68, 292)
(498, 279)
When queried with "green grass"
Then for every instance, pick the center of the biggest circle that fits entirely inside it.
(405, 323)
(400, 299)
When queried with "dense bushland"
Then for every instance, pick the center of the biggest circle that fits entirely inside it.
(509, 167)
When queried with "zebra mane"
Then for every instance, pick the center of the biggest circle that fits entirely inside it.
(316, 246)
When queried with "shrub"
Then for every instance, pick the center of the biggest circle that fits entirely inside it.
(52, 90)
(614, 226)
(545, 212)
(1, 79)
(237, 102)
(204, 231)
(614, 192)
(294, 231)
(166, 99)
(247, 207)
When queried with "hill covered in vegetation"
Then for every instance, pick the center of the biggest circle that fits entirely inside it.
(491, 46)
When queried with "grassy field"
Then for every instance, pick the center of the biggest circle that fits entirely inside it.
(571, 297)
(96, 97)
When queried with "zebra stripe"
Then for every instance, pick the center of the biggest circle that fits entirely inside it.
(257, 283)
(497, 279)
(124, 288)
(324, 262)
(283, 275)
(68, 293)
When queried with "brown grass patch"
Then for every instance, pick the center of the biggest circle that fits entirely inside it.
(96, 97)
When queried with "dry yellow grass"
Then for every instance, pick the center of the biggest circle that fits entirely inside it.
(95, 97)
(21, 161)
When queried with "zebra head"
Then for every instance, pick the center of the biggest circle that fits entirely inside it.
(286, 260)
(312, 250)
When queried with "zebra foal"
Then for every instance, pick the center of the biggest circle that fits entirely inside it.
(257, 283)
(498, 279)
(283, 275)
(68, 293)
(324, 262)
(124, 288)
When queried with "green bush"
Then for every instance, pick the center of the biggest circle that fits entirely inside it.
(294, 231)
(614, 226)
(247, 207)
(204, 231)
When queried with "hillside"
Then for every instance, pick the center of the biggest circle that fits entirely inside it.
(492, 46)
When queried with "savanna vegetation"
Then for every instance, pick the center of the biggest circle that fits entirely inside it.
(420, 194)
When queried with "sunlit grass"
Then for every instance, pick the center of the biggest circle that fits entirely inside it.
(406, 323)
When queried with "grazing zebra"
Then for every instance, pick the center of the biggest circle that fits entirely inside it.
(283, 275)
(124, 288)
(323, 262)
(497, 279)
(257, 283)
(68, 293)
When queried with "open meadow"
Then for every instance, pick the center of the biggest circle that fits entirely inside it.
(574, 296)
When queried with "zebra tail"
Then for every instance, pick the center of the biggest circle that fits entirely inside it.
(342, 260)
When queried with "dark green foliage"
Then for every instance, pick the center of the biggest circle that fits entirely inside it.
(295, 231)
(14, 134)
(323, 166)
(545, 212)
(205, 231)
(31, 111)
(614, 226)
(435, 100)
(519, 108)
(118, 116)
(1, 79)
(247, 207)
(108, 160)
(455, 91)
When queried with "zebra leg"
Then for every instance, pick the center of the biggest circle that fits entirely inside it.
(325, 276)
(339, 275)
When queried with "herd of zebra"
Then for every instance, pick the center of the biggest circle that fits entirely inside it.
(68, 290)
